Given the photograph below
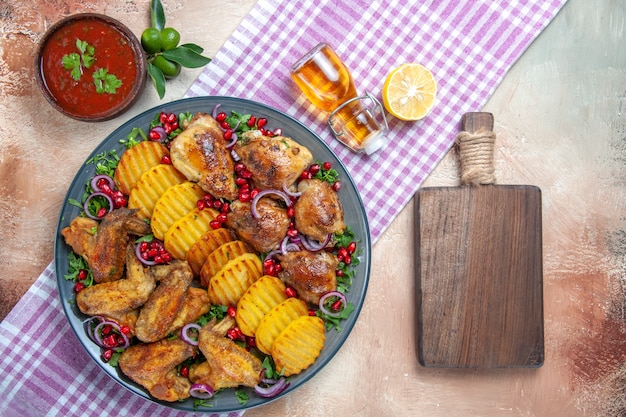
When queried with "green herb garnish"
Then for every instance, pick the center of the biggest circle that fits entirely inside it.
(75, 61)
(105, 82)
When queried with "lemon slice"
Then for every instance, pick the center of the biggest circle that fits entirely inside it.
(409, 92)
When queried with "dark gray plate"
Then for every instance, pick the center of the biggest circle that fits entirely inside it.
(355, 217)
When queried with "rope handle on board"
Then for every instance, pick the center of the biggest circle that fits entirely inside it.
(476, 143)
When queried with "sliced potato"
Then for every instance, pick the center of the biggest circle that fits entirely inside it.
(266, 293)
(299, 345)
(211, 240)
(276, 320)
(151, 186)
(187, 230)
(220, 257)
(229, 284)
(175, 202)
(135, 161)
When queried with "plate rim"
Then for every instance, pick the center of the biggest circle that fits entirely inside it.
(95, 353)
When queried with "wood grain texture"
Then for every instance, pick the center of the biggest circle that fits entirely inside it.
(479, 276)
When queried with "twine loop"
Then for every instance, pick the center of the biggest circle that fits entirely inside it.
(476, 155)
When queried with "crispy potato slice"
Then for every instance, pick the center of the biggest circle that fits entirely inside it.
(135, 161)
(220, 257)
(211, 240)
(151, 186)
(257, 301)
(229, 284)
(276, 320)
(299, 345)
(187, 230)
(176, 201)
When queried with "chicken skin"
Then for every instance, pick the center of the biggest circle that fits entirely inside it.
(228, 364)
(264, 233)
(318, 211)
(153, 365)
(199, 153)
(311, 274)
(164, 304)
(81, 236)
(273, 161)
(107, 259)
(117, 297)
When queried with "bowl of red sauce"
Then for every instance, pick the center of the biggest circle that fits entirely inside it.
(90, 67)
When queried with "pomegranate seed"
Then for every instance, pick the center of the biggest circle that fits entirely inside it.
(234, 333)
(228, 134)
(166, 257)
(279, 268)
(224, 125)
(261, 122)
(125, 329)
(277, 132)
(250, 341)
(174, 125)
(326, 165)
(291, 212)
(293, 233)
(337, 186)
(201, 204)
(231, 311)
(221, 217)
(314, 169)
(143, 246)
(347, 260)
(168, 128)
(290, 292)
(339, 273)
(154, 135)
(220, 117)
(120, 202)
(208, 198)
(306, 175)
(101, 212)
(184, 371)
(215, 224)
(239, 167)
(171, 118)
(352, 247)
(342, 252)
(225, 207)
(245, 174)
(244, 197)
(336, 306)
(254, 193)
(79, 286)
(217, 204)
(163, 117)
(312, 312)
(251, 121)
(107, 354)
(82, 274)
(165, 159)
(241, 181)
(269, 269)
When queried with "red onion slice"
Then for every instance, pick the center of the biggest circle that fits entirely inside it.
(289, 192)
(201, 391)
(184, 333)
(264, 193)
(214, 112)
(326, 296)
(95, 180)
(271, 390)
(313, 245)
(141, 258)
(160, 130)
(86, 205)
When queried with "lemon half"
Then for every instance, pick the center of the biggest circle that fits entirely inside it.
(409, 92)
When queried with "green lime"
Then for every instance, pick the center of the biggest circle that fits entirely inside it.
(169, 38)
(170, 69)
(151, 40)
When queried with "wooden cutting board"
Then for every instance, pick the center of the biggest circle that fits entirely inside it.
(479, 272)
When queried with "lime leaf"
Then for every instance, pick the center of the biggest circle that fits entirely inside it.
(193, 47)
(158, 79)
(157, 15)
(187, 57)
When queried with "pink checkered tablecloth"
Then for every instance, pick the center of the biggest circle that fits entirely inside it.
(468, 44)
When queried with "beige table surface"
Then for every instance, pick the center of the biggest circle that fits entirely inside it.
(561, 125)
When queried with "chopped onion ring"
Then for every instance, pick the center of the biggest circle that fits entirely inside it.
(96, 194)
(287, 246)
(201, 391)
(272, 389)
(141, 258)
(184, 333)
(162, 133)
(94, 334)
(263, 193)
(95, 180)
(288, 191)
(233, 141)
(313, 245)
(326, 296)
(214, 113)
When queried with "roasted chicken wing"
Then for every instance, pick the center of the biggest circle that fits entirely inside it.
(164, 304)
(263, 233)
(81, 236)
(153, 365)
(318, 211)
(273, 161)
(311, 274)
(107, 259)
(199, 153)
(227, 364)
(117, 297)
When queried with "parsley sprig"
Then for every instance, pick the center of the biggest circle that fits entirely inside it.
(76, 62)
